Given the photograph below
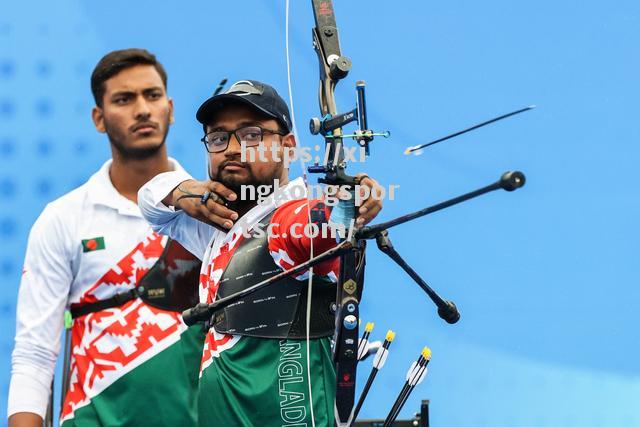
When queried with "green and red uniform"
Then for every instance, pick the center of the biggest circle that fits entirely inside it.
(246, 380)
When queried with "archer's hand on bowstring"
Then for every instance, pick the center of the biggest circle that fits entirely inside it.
(204, 201)
(371, 205)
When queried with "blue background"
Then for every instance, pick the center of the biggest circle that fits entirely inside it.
(546, 278)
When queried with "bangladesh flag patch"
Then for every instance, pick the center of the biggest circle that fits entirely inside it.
(95, 244)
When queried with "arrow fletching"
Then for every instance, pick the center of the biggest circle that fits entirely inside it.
(380, 358)
(426, 353)
(369, 327)
(420, 377)
(418, 370)
(382, 353)
(415, 150)
(363, 348)
(363, 343)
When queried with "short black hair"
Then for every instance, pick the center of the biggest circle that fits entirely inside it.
(114, 62)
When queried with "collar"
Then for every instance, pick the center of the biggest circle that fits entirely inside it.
(102, 192)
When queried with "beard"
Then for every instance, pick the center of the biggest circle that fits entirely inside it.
(118, 139)
(236, 183)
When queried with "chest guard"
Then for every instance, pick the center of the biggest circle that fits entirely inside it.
(172, 282)
(277, 311)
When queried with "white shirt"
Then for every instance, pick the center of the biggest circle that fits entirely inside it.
(58, 272)
(194, 235)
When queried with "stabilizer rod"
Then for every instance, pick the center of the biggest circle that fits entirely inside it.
(203, 311)
(509, 181)
(447, 310)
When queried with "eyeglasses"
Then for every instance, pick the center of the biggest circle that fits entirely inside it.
(218, 141)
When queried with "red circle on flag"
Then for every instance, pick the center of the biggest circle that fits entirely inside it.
(92, 244)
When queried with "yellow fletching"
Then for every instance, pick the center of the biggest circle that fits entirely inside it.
(426, 353)
(369, 327)
(390, 335)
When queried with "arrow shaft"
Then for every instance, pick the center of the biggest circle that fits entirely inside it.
(404, 395)
(393, 410)
(474, 127)
(364, 393)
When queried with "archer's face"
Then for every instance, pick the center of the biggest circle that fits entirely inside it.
(136, 111)
(227, 167)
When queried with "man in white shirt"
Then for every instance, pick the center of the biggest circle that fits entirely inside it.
(134, 362)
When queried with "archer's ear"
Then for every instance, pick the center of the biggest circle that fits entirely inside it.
(171, 118)
(98, 119)
(289, 140)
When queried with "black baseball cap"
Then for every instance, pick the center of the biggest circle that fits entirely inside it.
(258, 95)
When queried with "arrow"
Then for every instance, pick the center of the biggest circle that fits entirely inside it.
(416, 148)
(415, 375)
(378, 362)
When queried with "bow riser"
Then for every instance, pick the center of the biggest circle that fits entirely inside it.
(333, 67)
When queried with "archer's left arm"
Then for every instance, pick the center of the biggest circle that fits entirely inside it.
(292, 237)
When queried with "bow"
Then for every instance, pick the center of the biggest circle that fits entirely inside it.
(333, 67)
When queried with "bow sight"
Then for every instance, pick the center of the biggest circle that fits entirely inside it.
(329, 123)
